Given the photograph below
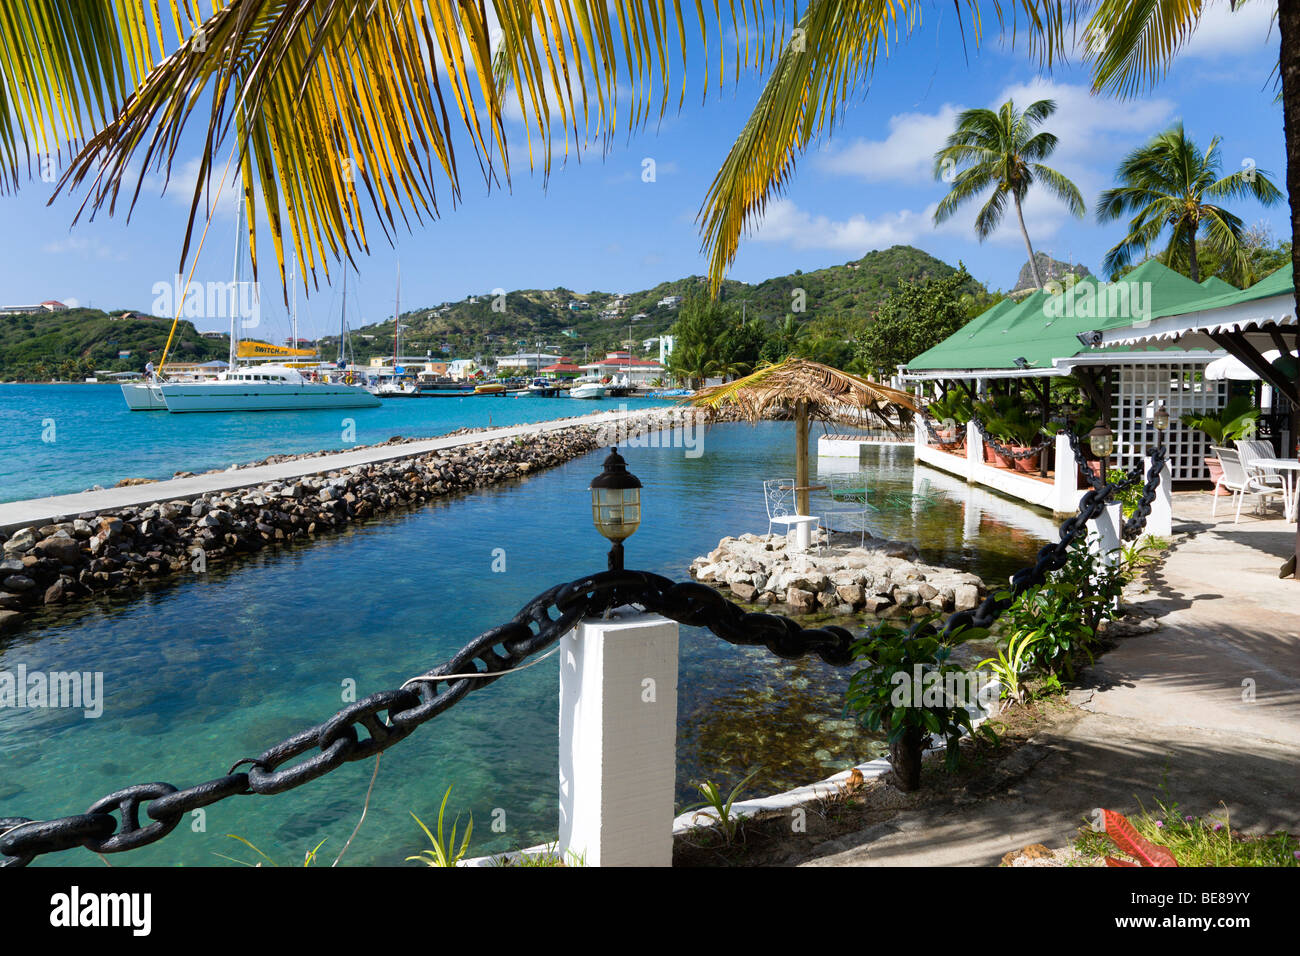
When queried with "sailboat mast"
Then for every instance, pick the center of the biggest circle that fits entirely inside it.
(397, 319)
(343, 310)
(238, 296)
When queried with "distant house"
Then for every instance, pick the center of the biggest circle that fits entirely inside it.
(19, 309)
(577, 305)
(622, 365)
(639, 316)
(212, 335)
(53, 305)
(670, 301)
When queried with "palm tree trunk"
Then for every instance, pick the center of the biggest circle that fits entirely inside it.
(1193, 264)
(1288, 21)
(801, 497)
(1033, 266)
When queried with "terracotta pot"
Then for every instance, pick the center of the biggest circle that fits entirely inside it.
(1029, 465)
(990, 456)
(1216, 472)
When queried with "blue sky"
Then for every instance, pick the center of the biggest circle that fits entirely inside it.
(598, 225)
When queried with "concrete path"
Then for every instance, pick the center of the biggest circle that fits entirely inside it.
(41, 511)
(1206, 709)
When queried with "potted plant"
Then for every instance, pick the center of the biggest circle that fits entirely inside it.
(1237, 419)
(1018, 432)
(990, 412)
(951, 412)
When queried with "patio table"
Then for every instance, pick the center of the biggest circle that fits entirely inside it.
(1289, 468)
(802, 528)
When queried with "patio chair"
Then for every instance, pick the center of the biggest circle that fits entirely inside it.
(1252, 450)
(1238, 480)
(845, 505)
(778, 497)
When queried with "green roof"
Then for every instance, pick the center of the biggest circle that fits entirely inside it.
(1280, 282)
(1216, 286)
(1044, 327)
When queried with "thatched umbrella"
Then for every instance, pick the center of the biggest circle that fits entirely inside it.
(803, 390)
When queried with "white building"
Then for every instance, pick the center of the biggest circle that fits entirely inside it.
(670, 301)
(528, 360)
(663, 342)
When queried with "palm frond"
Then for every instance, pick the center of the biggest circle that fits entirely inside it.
(773, 391)
(1132, 42)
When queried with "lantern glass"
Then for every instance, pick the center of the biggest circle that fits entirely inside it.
(1102, 441)
(616, 511)
(1162, 418)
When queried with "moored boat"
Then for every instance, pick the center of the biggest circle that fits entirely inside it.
(262, 388)
(143, 397)
(587, 390)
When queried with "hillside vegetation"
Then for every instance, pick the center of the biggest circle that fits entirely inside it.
(71, 345)
(829, 303)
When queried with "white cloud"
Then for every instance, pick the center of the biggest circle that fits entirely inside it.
(906, 154)
(84, 248)
(783, 221)
(1227, 32)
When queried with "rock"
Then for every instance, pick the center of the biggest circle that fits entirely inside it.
(906, 596)
(851, 594)
(57, 591)
(131, 482)
(874, 603)
(926, 591)
(18, 582)
(965, 597)
(111, 528)
(1035, 851)
(10, 620)
(800, 601)
(22, 541)
(743, 591)
(64, 550)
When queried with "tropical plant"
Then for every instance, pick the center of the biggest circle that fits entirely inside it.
(1125, 836)
(443, 850)
(1169, 184)
(954, 406)
(908, 689)
(723, 818)
(1004, 152)
(1012, 662)
(308, 859)
(1208, 840)
(916, 316)
(1239, 418)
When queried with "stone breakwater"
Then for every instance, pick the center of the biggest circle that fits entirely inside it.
(883, 578)
(78, 556)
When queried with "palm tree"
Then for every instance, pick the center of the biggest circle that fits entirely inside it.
(1001, 150)
(1167, 184)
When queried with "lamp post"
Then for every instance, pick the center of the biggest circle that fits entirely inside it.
(1161, 421)
(1102, 442)
(616, 505)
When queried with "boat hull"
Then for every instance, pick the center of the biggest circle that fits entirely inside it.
(587, 391)
(143, 398)
(257, 397)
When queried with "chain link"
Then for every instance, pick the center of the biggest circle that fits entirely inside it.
(1002, 449)
(389, 716)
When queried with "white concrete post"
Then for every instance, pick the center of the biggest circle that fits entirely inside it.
(974, 451)
(618, 740)
(1108, 530)
(1065, 481)
(1160, 523)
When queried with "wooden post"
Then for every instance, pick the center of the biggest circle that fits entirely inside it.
(801, 481)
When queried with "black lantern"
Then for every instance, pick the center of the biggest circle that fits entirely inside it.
(1102, 442)
(1161, 420)
(616, 505)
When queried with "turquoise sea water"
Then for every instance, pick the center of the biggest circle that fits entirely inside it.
(58, 439)
(201, 673)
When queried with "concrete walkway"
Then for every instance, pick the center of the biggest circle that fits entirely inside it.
(1204, 710)
(42, 511)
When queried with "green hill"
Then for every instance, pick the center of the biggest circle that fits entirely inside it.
(38, 346)
(526, 318)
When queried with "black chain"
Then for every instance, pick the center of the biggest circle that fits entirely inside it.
(1137, 521)
(503, 648)
(1002, 449)
(338, 740)
(934, 436)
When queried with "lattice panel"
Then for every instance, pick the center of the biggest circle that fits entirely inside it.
(1182, 387)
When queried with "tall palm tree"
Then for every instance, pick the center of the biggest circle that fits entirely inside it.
(1001, 150)
(1168, 184)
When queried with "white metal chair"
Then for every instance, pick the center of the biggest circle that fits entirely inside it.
(1238, 480)
(779, 498)
(845, 506)
(1251, 450)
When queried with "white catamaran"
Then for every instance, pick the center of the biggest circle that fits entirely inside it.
(261, 388)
